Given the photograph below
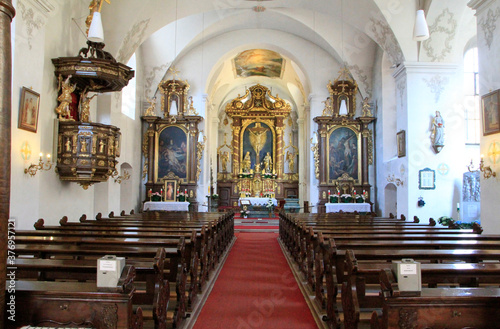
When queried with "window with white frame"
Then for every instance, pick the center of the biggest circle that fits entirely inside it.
(128, 92)
(472, 100)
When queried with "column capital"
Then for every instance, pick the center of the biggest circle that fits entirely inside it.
(479, 5)
(7, 8)
(424, 67)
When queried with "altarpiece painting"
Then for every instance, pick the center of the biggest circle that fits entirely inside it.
(345, 143)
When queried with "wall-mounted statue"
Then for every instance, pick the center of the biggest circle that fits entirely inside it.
(437, 132)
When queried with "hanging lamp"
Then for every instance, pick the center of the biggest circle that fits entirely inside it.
(421, 29)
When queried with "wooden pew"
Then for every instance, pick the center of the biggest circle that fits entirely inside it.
(436, 307)
(355, 297)
(42, 303)
(176, 273)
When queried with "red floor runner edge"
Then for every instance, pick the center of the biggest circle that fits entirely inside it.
(255, 289)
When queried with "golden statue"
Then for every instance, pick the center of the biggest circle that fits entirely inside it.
(224, 156)
(367, 108)
(65, 98)
(247, 162)
(85, 108)
(268, 163)
(150, 111)
(290, 158)
(258, 138)
(328, 110)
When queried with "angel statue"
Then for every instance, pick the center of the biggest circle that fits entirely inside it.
(328, 110)
(65, 98)
(367, 108)
(85, 108)
(151, 110)
(290, 158)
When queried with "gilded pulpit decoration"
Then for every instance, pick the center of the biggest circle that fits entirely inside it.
(87, 152)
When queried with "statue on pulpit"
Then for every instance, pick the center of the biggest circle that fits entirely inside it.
(268, 163)
(247, 162)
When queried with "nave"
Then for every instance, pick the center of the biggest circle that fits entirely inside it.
(192, 270)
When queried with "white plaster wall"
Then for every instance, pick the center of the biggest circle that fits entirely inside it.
(488, 43)
(434, 87)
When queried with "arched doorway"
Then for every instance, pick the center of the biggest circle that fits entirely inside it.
(391, 200)
(126, 187)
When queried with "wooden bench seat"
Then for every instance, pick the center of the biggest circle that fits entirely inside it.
(75, 304)
(436, 307)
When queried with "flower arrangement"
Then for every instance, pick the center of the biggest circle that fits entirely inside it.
(215, 196)
(270, 205)
(155, 196)
(346, 198)
(450, 222)
(244, 213)
(181, 196)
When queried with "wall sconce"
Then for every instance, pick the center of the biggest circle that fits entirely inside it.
(486, 170)
(120, 179)
(33, 168)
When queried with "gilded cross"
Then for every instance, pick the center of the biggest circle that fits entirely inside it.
(174, 72)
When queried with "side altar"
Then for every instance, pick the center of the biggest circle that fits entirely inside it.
(252, 164)
(171, 145)
(344, 148)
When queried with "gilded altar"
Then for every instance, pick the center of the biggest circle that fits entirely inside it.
(253, 164)
(344, 148)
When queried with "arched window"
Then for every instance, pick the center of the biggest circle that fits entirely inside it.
(472, 100)
(128, 93)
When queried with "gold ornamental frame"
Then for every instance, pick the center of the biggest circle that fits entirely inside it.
(356, 131)
(157, 150)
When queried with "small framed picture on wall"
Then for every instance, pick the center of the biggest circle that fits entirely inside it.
(401, 141)
(28, 110)
(491, 112)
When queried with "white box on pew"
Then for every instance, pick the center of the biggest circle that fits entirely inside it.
(408, 274)
(109, 270)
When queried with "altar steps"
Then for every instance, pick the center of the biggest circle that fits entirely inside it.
(264, 224)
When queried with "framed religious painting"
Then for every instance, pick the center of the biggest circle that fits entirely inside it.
(172, 152)
(28, 110)
(344, 153)
(170, 190)
(491, 112)
(401, 141)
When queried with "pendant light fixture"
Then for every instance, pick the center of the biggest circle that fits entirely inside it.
(96, 31)
(421, 29)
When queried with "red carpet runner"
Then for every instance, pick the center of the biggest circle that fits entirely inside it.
(255, 289)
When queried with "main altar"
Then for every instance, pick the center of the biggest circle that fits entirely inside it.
(252, 164)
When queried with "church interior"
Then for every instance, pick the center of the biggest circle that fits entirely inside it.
(220, 110)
